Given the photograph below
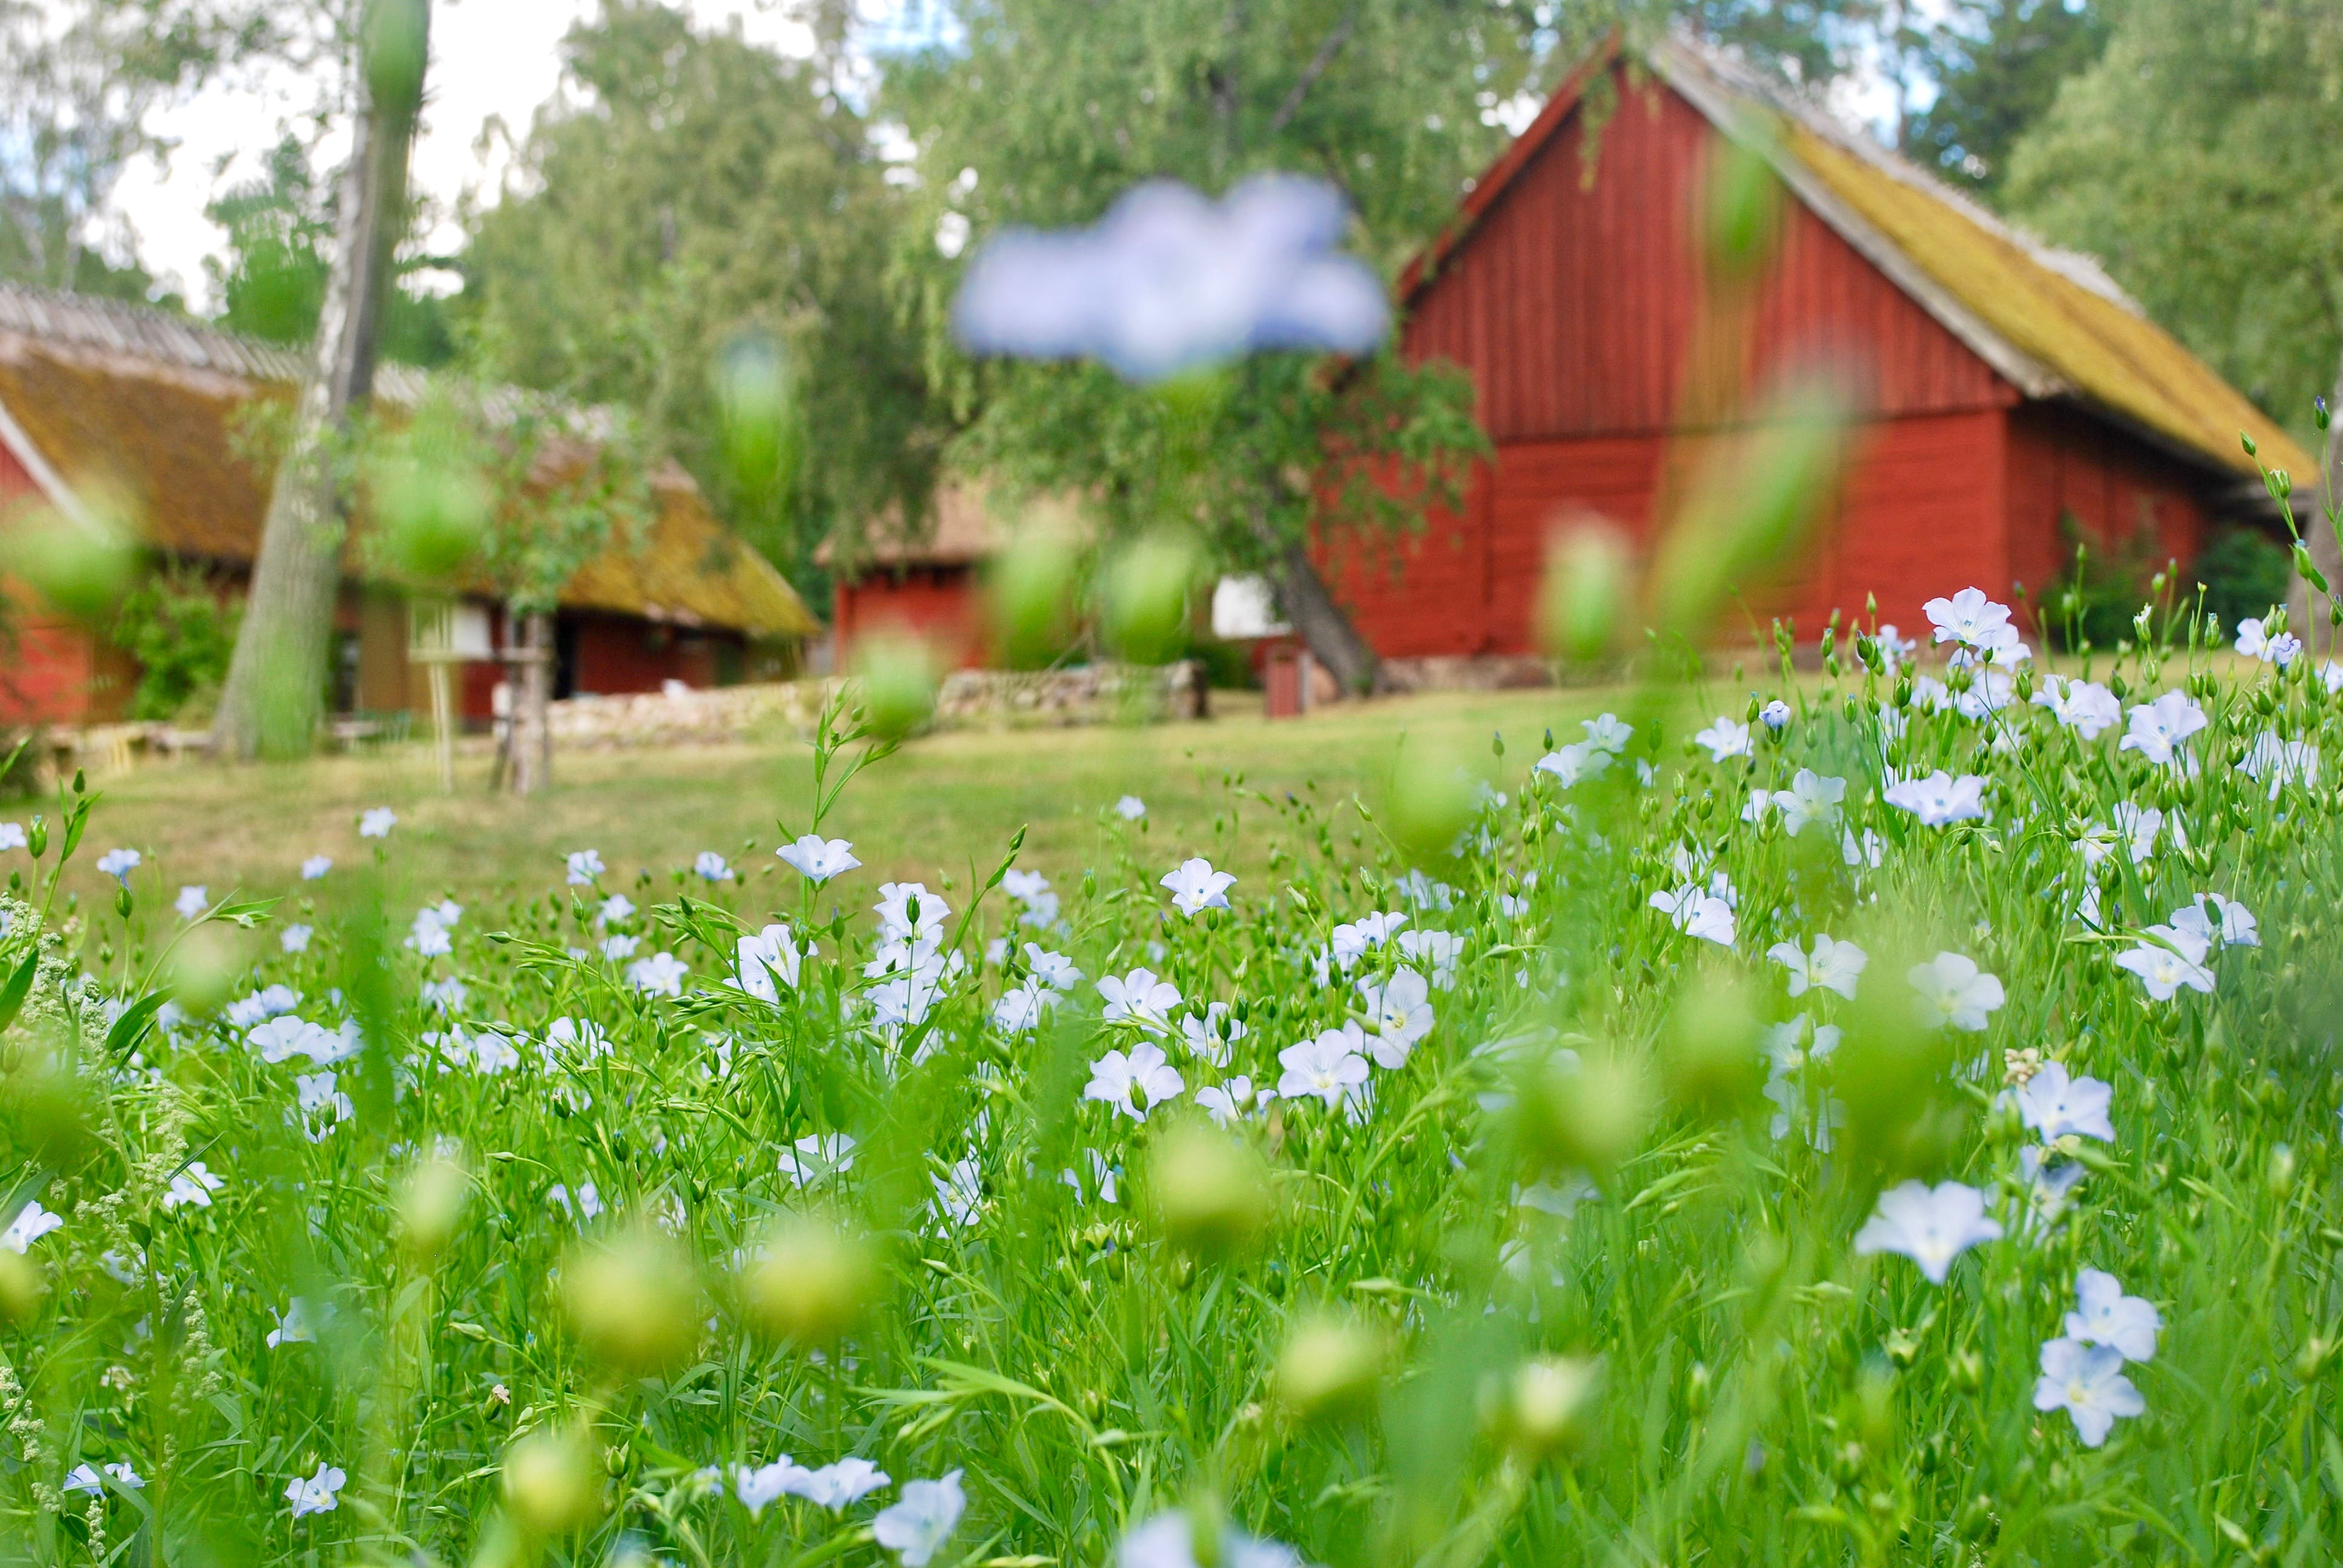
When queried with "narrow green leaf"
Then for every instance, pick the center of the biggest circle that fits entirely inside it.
(131, 1027)
(19, 987)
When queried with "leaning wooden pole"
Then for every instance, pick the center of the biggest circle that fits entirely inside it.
(275, 692)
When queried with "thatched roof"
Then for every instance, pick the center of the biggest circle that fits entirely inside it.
(142, 415)
(972, 522)
(2050, 322)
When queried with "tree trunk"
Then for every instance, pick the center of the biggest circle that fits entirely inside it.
(532, 733)
(275, 692)
(2311, 495)
(1333, 640)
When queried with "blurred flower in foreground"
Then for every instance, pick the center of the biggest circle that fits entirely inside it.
(1931, 1226)
(1167, 1541)
(2089, 1384)
(918, 1526)
(1170, 281)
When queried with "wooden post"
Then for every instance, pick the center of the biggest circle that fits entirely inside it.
(272, 700)
(431, 643)
(531, 662)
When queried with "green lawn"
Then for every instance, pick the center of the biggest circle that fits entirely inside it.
(944, 800)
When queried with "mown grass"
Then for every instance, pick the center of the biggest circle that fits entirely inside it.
(945, 801)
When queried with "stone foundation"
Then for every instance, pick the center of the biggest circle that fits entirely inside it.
(969, 699)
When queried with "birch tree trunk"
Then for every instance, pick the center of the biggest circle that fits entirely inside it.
(2311, 493)
(275, 691)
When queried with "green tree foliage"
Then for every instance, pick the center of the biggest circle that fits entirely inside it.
(280, 229)
(2199, 159)
(690, 188)
(1813, 42)
(180, 627)
(80, 81)
(1053, 108)
(1997, 66)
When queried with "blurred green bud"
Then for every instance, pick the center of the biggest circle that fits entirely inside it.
(82, 567)
(634, 1302)
(21, 1289)
(2281, 1171)
(1582, 1112)
(759, 414)
(37, 838)
(1030, 593)
(1210, 1192)
(1329, 1368)
(553, 1482)
(1889, 1073)
(433, 510)
(1431, 801)
(207, 967)
(1710, 1053)
(1147, 585)
(1741, 210)
(431, 1203)
(810, 1283)
(397, 43)
(898, 684)
(51, 1109)
(1751, 508)
(1587, 585)
(1552, 1407)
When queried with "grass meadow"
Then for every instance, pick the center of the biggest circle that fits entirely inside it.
(1894, 1126)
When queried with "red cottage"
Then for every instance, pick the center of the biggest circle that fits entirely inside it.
(111, 408)
(931, 587)
(2009, 393)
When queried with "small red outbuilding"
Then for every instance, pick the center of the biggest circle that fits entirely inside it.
(112, 408)
(2009, 395)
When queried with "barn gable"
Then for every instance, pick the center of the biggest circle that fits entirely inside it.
(2005, 393)
(1575, 297)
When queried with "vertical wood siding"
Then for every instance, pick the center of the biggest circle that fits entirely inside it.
(937, 603)
(48, 674)
(2071, 474)
(1573, 302)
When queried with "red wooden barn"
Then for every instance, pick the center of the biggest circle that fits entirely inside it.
(110, 408)
(2004, 388)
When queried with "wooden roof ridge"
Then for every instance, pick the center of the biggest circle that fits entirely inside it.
(2049, 321)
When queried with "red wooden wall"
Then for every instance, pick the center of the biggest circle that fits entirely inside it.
(935, 603)
(52, 673)
(1574, 305)
(2121, 491)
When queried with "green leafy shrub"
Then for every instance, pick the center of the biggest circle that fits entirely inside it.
(2245, 572)
(181, 628)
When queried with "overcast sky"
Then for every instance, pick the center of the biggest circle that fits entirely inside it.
(491, 60)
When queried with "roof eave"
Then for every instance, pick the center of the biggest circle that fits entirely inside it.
(1677, 68)
(50, 482)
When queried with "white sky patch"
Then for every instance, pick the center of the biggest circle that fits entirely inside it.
(493, 64)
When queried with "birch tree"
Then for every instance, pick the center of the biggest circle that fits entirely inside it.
(274, 693)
